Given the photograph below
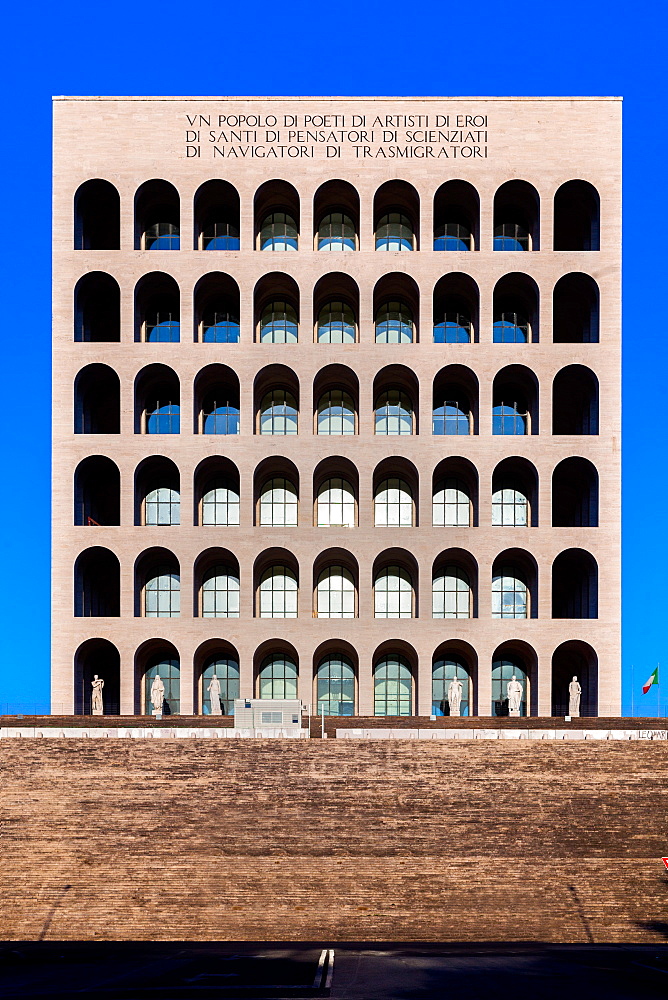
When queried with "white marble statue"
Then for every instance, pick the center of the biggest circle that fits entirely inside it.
(214, 695)
(96, 702)
(574, 694)
(455, 695)
(157, 694)
(514, 693)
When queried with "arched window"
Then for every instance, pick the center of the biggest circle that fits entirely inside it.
(335, 686)
(451, 593)
(220, 593)
(393, 593)
(510, 507)
(454, 328)
(162, 236)
(394, 324)
(503, 670)
(336, 413)
(393, 686)
(336, 324)
(510, 418)
(220, 502)
(163, 416)
(162, 506)
(162, 324)
(444, 671)
(279, 505)
(394, 232)
(453, 236)
(157, 216)
(451, 417)
(226, 670)
(337, 232)
(278, 593)
(278, 232)
(511, 236)
(216, 216)
(335, 593)
(220, 412)
(97, 584)
(393, 504)
(277, 678)
(336, 504)
(220, 324)
(278, 413)
(162, 593)
(168, 670)
(510, 596)
(511, 328)
(394, 413)
(278, 323)
(451, 505)
(220, 236)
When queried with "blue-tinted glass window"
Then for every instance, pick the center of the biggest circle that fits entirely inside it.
(395, 232)
(394, 324)
(510, 236)
(278, 324)
(509, 418)
(163, 418)
(502, 672)
(162, 326)
(510, 597)
(226, 671)
(278, 677)
(220, 414)
(336, 324)
(511, 328)
(393, 686)
(454, 328)
(336, 413)
(162, 236)
(453, 236)
(220, 325)
(168, 670)
(278, 413)
(394, 413)
(337, 232)
(451, 417)
(335, 686)
(220, 236)
(443, 673)
(278, 232)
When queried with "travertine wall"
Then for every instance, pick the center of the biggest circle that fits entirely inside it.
(543, 141)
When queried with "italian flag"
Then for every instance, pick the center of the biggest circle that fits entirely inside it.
(652, 679)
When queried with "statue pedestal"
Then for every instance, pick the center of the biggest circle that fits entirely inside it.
(454, 713)
(216, 711)
(513, 713)
(575, 715)
(97, 711)
(157, 713)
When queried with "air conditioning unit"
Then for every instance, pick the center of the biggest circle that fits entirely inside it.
(265, 713)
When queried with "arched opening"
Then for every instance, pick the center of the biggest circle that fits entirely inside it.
(97, 492)
(97, 216)
(216, 665)
(574, 661)
(515, 401)
(276, 670)
(217, 492)
(158, 676)
(576, 216)
(335, 671)
(516, 217)
(276, 309)
(217, 309)
(454, 585)
(395, 395)
(276, 490)
(97, 401)
(97, 309)
(157, 584)
(216, 588)
(396, 302)
(216, 216)
(335, 401)
(157, 492)
(157, 401)
(395, 575)
(455, 493)
(514, 679)
(574, 585)
(456, 309)
(217, 401)
(394, 679)
(396, 215)
(454, 675)
(97, 584)
(276, 584)
(395, 493)
(515, 310)
(515, 493)
(335, 584)
(336, 309)
(575, 401)
(455, 401)
(514, 585)
(157, 309)
(575, 310)
(575, 494)
(277, 216)
(456, 217)
(276, 400)
(336, 212)
(335, 492)
(97, 660)
(157, 216)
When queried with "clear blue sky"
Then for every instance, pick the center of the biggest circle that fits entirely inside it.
(358, 48)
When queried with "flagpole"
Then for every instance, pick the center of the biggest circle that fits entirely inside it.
(658, 691)
(633, 689)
